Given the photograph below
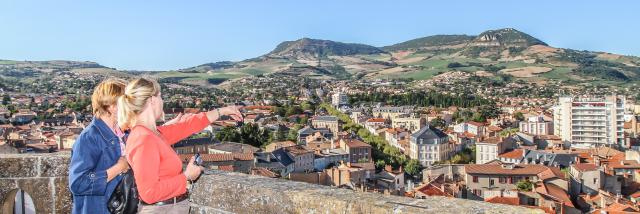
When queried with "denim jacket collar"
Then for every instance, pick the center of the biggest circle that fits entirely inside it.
(104, 130)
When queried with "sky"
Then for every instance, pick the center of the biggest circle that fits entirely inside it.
(168, 35)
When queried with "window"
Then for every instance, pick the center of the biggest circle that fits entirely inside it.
(510, 180)
(502, 180)
(475, 179)
(531, 201)
(491, 182)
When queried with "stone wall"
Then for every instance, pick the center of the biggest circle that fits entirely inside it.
(223, 192)
(44, 178)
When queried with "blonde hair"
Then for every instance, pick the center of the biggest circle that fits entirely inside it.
(105, 95)
(135, 98)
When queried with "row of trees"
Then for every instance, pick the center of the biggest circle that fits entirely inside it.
(481, 114)
(421, 98)
(247, 133)
(383, 153)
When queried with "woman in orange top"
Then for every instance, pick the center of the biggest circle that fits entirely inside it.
(157, 168)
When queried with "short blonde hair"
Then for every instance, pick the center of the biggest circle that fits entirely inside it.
(136, 95)
(105, 95)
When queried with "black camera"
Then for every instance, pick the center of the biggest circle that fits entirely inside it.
(198, 160)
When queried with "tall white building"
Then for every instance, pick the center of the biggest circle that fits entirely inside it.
(429, 145)
(590, 121)
(339, 99)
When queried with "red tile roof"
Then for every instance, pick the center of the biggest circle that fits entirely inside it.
(475, 123)
(556, 192)
(219, 157)
(585, 167)
(504, 200)
(228, 168)
(258, 107)
(515, 154)
(353, 143)
(261, 171)
(497, 169)
(432, 190)
(494, 128)
(376, 120)
(297, 150)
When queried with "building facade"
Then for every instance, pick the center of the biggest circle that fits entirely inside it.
(590, 121)
(328, 122)
(429, 145)
(537, 126)
(339, 99)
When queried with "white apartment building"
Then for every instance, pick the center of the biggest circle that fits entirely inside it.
(590, 121)
(537, 125)
(429, 145)
(488, 149)
(339, 99)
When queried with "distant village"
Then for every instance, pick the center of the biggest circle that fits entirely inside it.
(565, 153)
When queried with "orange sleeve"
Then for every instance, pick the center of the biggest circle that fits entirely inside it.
(144, 159)
(181, 130)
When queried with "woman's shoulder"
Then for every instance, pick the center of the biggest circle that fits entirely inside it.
(140, 134)
(88, 138)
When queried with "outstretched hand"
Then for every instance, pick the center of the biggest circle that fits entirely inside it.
(233, 112)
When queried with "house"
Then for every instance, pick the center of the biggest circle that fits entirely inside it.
(546, 157)
(348, 175)
(475, 128)
(23, 117)
(329, 157)
(489, 148)
(399, 138)
(231, 147)
(391, 112)
(487, 180)
(297, 158)
(359, 152)
(65, 140)
(429, 145)
(390, 181)
(276, 145)
(328, 122)
(437, 187)
(318, 141)
(267, 160)
(537, 125)
(375, 122)
(234, 162)
(412, 124)
(306, 131)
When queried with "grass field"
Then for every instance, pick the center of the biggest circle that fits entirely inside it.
(7, 62)
(558, 73)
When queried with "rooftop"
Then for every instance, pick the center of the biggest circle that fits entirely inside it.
(44, 178)
(497, 169)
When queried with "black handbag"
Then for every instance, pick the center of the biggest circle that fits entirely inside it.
(124, 199)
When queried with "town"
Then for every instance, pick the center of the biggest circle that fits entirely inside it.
(560, 151)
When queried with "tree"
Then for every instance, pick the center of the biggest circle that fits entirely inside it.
(519, 116)
(413, 167)
(228, 134)
(380, 163)
(508, 132)
(438, 123)
(293, 133)
(6, 99)
(524, 185)
(293, 110)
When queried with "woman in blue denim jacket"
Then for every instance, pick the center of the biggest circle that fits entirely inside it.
(96, 157)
